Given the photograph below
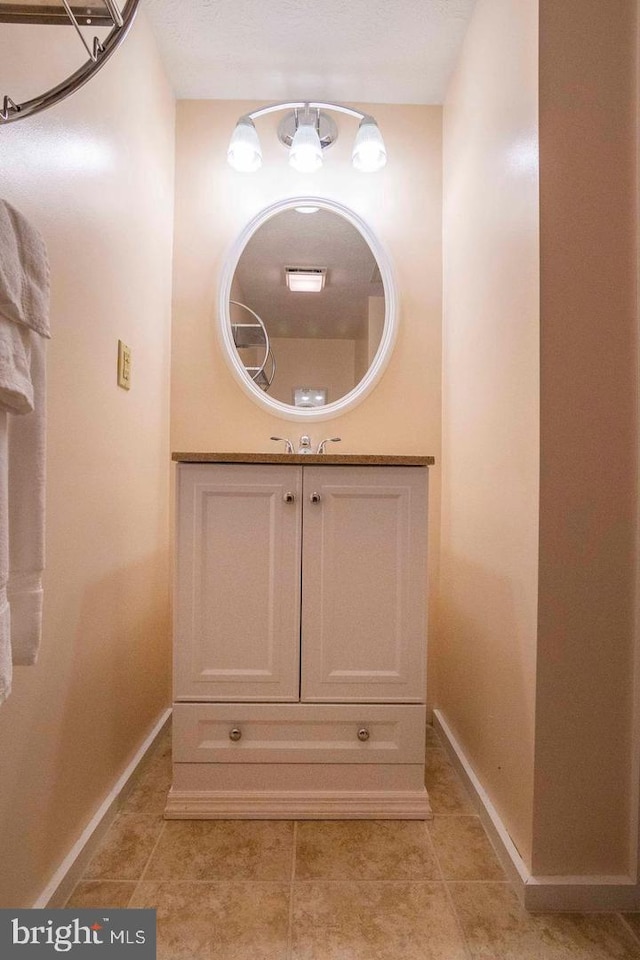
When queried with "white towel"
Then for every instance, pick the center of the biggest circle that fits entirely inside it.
(16, 400)
(24, 323)
(16, 388)
(24, 272)
(27, 514)
(5, 617)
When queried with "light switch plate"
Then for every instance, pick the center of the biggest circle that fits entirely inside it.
(124, 365)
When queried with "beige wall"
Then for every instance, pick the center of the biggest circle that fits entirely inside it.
(589, 431)
(536, 644)
(95, 175)
(486, 640)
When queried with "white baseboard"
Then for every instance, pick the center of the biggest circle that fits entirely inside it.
(582, 894)
(60, 887)
(505, 848)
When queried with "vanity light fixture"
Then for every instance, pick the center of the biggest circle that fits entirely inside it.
(305, 153)
(306, 208)
(369, 152)
(244, 151)
(307, 129)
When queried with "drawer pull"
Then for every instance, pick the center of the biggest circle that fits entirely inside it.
(289, 497)
(315, 497)
(363, 734)
(235, 734)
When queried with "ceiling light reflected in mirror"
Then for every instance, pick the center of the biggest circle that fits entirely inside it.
(305, 279)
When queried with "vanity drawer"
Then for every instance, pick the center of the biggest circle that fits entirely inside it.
(298, 733)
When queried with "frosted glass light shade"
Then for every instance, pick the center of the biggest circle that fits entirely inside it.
(305, 154)
(369, 151)
(244, 153)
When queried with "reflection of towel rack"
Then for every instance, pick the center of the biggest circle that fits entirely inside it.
(254, 334)
(107, 14)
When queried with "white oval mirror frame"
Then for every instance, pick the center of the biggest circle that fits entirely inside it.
(381, 358)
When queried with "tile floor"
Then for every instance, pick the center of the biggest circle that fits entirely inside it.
(347, 890)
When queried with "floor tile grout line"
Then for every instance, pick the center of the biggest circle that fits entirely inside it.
(75, 887)
(432, 849)
(132, 895)
(295, 843)
(103, 845)
(146, 867)
(448, 881)
(291, 891)
(441, 869)
(152, 761)
(451, 816)
(628, 927)
(458, 920)
(447, 893)
(505, 882)
(470, 815)
(456, 917)
(444, 756)
(230, 881)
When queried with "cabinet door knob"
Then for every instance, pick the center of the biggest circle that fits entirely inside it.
(363, 734)
(289, 497)
(235, 734)
(315, 497)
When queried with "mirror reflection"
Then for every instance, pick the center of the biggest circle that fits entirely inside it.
(307, 306)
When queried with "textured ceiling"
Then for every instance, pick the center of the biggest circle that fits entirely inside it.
(321, 239)
(377, 51)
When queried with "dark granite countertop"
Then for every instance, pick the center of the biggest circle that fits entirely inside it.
(328, 459)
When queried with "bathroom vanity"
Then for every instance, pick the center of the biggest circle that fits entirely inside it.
(299, 637)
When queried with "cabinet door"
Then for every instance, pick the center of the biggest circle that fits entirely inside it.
(237, 615)
(364, 584)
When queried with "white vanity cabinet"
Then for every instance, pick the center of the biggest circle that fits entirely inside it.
(300, 639)
(237, 596)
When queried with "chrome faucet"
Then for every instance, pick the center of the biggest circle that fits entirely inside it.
(305, 444)
(288, 446)
(328, 440)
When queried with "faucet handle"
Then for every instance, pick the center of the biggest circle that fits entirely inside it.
(328, 440)
(288, 446)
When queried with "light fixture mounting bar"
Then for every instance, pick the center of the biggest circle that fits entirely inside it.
(325, 125)
(308, 104)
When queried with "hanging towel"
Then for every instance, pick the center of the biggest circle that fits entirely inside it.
(26, 514)
(16, 388)
(16, 399)
(5, 617)
(24, 272)
(24, 325)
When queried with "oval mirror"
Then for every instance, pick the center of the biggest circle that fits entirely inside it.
(307, 309)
